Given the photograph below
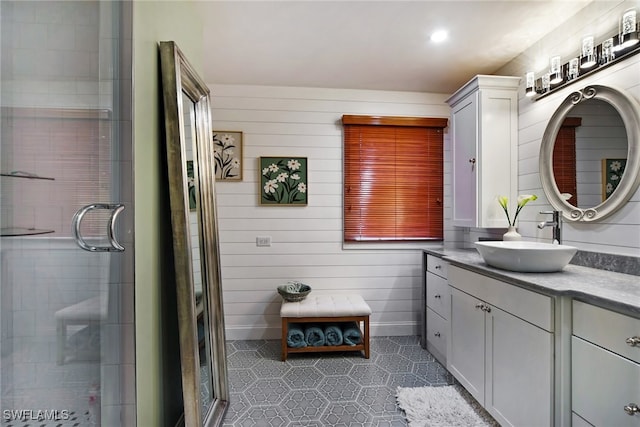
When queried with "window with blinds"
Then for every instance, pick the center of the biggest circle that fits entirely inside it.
(564, 158)
(393, 178)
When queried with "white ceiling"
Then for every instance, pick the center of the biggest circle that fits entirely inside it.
(382, 45)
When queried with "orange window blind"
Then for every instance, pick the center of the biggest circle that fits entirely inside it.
(564, 159)
(393, 178)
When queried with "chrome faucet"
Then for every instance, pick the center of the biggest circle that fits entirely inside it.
(556, 223)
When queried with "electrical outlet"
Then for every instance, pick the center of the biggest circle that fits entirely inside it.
(263, 241)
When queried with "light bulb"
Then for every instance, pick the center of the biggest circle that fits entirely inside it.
(530, 84)
(556, 71)
(588, 58)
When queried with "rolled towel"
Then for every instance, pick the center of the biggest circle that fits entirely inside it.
(314, 336)
(351, 333)
(333, 334)
(295, 336)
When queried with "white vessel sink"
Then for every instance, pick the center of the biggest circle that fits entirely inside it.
(526, 257)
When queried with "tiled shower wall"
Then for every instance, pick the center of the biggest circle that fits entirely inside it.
(72, 149)
(41, 276)
(51, 54)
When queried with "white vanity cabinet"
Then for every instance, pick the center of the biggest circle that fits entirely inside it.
(484, 131)
(605, 367)
(437, 307)
(500, 347)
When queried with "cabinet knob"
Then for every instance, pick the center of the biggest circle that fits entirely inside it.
(472, 161)
(438, 267)
(631, 409)
(484, 307)
(437, 296)
(437, 334)
(633, 341)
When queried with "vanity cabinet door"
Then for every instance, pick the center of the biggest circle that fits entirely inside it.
(603, 383)
(466, 344)
(501, 347)
(464, 120)
(519, 386)
(605, 366)
(484, 131)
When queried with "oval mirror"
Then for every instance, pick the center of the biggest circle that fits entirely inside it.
(590, 153)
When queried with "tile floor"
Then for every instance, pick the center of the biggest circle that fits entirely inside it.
(326, 389)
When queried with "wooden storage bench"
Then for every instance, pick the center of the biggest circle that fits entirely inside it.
(334, 308)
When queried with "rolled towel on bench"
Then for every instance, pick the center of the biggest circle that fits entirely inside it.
(314, 336)
(333, 334)
(351, 333)
(295, 336)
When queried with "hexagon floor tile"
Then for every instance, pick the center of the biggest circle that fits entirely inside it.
(326, 389)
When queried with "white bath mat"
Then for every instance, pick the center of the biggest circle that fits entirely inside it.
(447, 406)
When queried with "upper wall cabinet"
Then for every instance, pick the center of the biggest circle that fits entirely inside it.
(484, 127)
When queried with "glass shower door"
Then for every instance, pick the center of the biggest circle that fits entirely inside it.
(66, 289)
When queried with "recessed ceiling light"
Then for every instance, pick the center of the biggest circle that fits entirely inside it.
(439, 36)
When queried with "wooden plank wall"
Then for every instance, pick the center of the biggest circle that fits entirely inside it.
(307, 241)
(617, 234)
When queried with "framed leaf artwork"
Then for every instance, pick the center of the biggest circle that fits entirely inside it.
(283, 181)
(227, 155)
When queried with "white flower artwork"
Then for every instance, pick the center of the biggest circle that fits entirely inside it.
(227, 153)
(283, 181)
(612, 170)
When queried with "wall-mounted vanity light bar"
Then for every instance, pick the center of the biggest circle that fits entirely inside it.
(591, 58)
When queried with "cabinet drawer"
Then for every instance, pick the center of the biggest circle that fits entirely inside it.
(438, 295)
(437, 266)
(437, 328)
(602, 383)
(528, 305)
(607, 329)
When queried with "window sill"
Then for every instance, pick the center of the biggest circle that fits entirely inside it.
(392, 245)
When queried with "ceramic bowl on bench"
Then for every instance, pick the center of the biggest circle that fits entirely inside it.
(294, 291)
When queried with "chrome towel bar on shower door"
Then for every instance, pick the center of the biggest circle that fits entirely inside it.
(113, 246)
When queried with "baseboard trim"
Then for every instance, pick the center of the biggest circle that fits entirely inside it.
(380, 329)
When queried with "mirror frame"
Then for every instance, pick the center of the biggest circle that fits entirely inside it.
(629, 111)
(178, 78)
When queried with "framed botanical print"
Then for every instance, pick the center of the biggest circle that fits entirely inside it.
(227, 155)
(283, 181)
(612, 170)
(192, 186)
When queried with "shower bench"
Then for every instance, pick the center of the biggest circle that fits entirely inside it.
(87, 312)
(330, 308)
